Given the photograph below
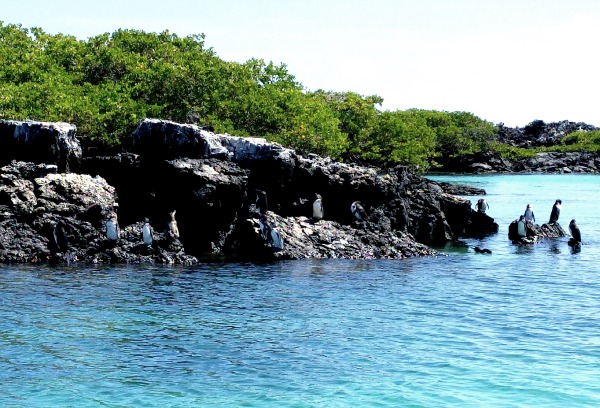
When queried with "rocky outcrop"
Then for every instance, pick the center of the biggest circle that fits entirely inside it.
(211, 181)
(536, 134)
(40, 142)
(543, 162)
(47, 216)
(540, 134)
(534, 232)
(307, 238)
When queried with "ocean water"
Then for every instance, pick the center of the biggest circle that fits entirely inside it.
(517, 328)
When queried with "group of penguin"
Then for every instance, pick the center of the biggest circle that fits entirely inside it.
(270, 232)
(529, 216)
(113, 232)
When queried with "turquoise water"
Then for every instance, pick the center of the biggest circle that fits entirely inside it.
(517, 328)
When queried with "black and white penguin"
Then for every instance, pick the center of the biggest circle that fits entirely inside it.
(318, 207)
(261, 201)
(173, 230)
(276, 239)
(482, 205)
(529, 216)
(358, 210)
(555, 212)
(60, 236)
(112, 227)
(147, 235)
(264, 228)
(521, 230)
(575, 233)
(482, 250)
(270, 234)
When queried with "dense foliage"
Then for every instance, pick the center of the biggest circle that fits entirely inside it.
(107, 83)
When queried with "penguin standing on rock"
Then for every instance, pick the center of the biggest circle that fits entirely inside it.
(270, 234)
(521, 227)
(318, 207)
(60, 236)
(555, 212)
(529, 216)
(358, 211)
(147, 235)
(173, 230)
(112, 227)
(276, 239)
(482, 206)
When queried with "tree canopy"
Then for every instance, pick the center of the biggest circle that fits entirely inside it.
(106, 84)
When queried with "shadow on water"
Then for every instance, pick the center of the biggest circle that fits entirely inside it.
(524, 249)
(575, 249)
(554, 246)
(453, 247)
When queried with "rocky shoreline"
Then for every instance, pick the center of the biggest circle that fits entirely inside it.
(536, 134)
(55, 200)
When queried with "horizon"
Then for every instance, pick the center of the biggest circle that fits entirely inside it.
(506, 61)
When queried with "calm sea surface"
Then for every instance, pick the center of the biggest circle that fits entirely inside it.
(517, 328)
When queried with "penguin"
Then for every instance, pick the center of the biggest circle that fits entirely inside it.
(529, 216)
(261, 201)
(112, 227)
(403, 217)
(147, 235)
(318, 207)
(575, 233)
(482, 250)
(276, 239)
(60, 236)
(270, 234)
(555, 212)
(173, 230)
(482, 206)
(521, 230)
(358, 210)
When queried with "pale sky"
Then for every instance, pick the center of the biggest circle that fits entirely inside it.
(510, 61)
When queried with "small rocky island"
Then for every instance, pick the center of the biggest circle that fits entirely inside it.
(55, 200)
(535, 135)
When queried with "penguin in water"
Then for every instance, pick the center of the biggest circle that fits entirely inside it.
(147, 235)
(529, 216)
(173, 230)
(482, 250)
(60, 236)
(358, 210)
(261, 201)
(318, 207)
(112, 227)
(482, 206)
(555, 212)
(575, 233)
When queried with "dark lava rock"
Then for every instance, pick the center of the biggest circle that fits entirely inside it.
(211, 182)
(534, 232)
(40, 142)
